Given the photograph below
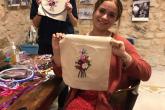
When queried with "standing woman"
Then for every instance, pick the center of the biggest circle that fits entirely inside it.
(47, 26)
(126, 64)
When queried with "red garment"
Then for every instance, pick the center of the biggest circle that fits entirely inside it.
(118, 79)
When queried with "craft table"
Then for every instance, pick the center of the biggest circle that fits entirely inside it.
(37, 98)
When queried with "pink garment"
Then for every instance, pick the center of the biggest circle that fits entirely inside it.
(118, 79)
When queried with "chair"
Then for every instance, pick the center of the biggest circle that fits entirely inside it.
(125, 98)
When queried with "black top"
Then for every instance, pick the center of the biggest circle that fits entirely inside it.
(49, 26)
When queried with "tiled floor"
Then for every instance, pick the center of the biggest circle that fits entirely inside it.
(151, 93)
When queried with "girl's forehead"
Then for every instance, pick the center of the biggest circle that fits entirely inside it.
(109, 5)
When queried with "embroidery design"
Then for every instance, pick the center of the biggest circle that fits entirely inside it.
(52, 4)
(83, 63)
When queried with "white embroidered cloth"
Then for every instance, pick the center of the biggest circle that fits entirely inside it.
(85, 61)
(54, 9)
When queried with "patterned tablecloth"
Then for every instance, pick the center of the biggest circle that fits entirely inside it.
(42, 69)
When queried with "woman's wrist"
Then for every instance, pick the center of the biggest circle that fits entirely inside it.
(56, 60)
(56, 57)
(70, 14)
(56, 68)
(126, 59)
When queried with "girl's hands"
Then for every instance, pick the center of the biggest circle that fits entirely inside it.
(56, 48)
(38, 1)
(118, 49)
(55, 40)
(68, 7)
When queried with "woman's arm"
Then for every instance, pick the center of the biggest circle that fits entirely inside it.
(34, 13)
(140, 68)
(135, 66)
(118, 49)
(71, 8)
(36, 20)
(56, 53)
(73, 19)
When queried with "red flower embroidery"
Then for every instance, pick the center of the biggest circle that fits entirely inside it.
(52, 4)
(83, 63)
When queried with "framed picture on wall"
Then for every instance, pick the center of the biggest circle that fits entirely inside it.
(87, 1)
(13, 3)
(85, 13)
(25, 2)
(140, 10)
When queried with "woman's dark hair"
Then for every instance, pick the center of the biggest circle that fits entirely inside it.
(118, 4)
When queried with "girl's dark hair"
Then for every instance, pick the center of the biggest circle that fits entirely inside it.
(118, 4)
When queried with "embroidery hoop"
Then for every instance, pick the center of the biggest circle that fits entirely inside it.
(15, 80)
(60, 7)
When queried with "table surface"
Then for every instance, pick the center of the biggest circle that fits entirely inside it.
(39, 97)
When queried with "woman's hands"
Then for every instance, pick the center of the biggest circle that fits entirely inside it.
(118, 49)
(38, 1)
(56, 48)
(68, 7)
(55, 40)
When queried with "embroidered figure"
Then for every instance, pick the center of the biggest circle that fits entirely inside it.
(83, 63)
(52, 4)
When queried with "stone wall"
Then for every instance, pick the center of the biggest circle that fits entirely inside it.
(14, 23)
(150, 35)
